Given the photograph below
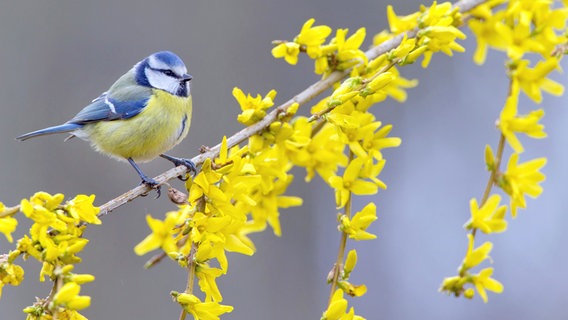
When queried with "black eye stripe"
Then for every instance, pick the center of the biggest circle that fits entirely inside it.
(167, 72)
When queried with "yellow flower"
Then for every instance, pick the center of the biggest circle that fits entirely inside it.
(288, 50)
(347, 90)
(475, 256)
(351, 183)
(207, 283)
(379, 82)
(486, 35)
(348, 49)
(46, 200)
(440, 38)
(202, 310)
(162, 235)
(356, 227)
(511, 29)
(266, 209)
(205, 184)
(82, 278)
(378, 140)
(7, 225)
(396, 88)
(68, 296)
(362, 133)
(483, 281)
(489, 159)
(312, 37)
(510, 123)
(533, 80)
(399, 24)
(488, 218)
(321, 65)
(337, 309)
(351, 289)
(521, 179)
(438, 30)
(41, 216)
(11, 274)
(81, 208)
(453, 285)
(212, 247)
(25, 244)
(350, 263)
(254, 108)
(322, 154)
(438, 14)
(202, 225)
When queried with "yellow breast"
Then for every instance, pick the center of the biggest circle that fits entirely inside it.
(161, 125)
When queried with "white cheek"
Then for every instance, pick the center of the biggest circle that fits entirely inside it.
(161, 81)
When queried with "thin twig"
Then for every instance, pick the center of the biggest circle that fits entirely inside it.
(338, 266)
(9, 211)
(301, 98)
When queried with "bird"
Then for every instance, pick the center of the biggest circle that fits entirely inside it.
(145, 113)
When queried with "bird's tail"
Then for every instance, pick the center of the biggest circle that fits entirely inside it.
(66, 127)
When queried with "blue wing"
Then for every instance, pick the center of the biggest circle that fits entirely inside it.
(105, 108)
(102, 108)
(123, 100)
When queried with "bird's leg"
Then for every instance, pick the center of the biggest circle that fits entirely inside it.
(181, 162)
(145, 180)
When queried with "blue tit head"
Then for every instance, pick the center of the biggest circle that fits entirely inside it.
(165, 71)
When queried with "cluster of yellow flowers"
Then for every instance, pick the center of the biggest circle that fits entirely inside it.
(243, 190)
(55, 239)
(353, 137)
(526, 30)
(238, 193)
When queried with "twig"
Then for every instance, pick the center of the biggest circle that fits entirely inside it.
(9, 211)
(301, 98)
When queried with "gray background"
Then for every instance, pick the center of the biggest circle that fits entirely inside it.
(56, 56)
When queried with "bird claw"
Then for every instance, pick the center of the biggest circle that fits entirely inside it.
(152, 184)
(182, 162)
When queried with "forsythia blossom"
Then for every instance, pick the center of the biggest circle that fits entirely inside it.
(199, 309)
(521, 179)
(356, 227)
(254, 108)
(8, 224)
(490, 217)
(55, 239)
(337, 309)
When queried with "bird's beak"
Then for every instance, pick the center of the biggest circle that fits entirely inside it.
(186, 77)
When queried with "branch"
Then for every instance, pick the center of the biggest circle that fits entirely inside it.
(301, 98)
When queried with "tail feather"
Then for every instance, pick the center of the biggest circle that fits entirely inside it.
(66, 127)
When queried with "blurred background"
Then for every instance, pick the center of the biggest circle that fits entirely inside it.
(56, 56)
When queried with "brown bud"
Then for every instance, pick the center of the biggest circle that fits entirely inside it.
(177, 196)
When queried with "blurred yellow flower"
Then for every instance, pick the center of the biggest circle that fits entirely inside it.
(254, 108)
(475, 256)
(68, 297)
(201, 310)
(312, 37)
(483, 281)
(356, 227)
(521, 179)
(490, 217)
(351, 182)
(287, 50)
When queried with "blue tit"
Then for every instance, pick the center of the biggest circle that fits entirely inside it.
(145, 113)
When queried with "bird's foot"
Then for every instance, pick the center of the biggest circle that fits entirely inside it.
(152, 184)
(182, 162)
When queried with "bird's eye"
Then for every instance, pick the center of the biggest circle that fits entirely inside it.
(169, 73)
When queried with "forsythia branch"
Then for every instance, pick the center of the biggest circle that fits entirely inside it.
(301, 98)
